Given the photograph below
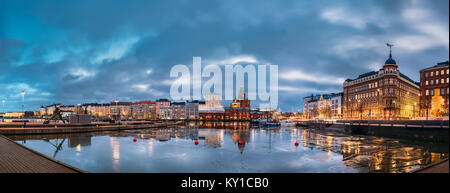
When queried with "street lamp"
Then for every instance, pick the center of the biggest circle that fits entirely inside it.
(394, 109)
(3, 101)
(23, 102)
(117, 108)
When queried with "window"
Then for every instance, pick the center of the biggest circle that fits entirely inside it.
(442, 72)
(437, 73)
(426, 75)
(447, 80)
(442, 91)
(437, 81)
(432, 82)
(432, 73)
(442, 81)
(432, 92)
(426, 82)
(427, 92)
(447, 71)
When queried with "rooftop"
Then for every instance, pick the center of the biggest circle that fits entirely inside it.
(438, 65)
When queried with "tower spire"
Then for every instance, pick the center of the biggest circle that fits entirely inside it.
(390, 49)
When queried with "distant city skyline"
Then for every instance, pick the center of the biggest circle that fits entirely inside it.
(99, 51)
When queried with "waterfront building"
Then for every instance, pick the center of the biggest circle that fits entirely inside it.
(98, 110)
(310, 106)
(239, 108)
(330, 106)
(181, 110)
(212, 109)
(143, 110)
(165, 113)
(13, 115)
(212, 103)
(434, 91)
(191, 109)
(325, 106)
(118, 108)
(382, 94)
(161, 103)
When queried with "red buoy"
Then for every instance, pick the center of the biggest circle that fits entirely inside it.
(134, 139)
(296, 143)
(196, 142)
(241, 142)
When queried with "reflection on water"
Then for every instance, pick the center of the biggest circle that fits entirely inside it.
(233, 147)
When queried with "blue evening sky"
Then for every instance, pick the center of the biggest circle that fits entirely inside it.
(87, 51)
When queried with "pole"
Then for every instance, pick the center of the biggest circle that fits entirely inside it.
(23, 103)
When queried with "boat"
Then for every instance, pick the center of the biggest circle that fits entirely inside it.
(269, 123)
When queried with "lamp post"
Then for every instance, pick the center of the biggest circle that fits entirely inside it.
(117, 108)
(395, 109)
(23, 103)
(3, 101)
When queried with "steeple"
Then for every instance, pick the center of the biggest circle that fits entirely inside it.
(390, 60)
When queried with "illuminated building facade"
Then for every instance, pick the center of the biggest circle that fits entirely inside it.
(434, 91)
(143, 110)
(120, 109)
(239, 109)
(383, 94)
(161, 103)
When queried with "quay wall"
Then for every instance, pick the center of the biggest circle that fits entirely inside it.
(79, 129)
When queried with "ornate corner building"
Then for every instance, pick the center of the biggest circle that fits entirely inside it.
(434, 91)
(385, 94)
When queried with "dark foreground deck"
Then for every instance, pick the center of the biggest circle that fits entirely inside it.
(16, 158)
(439, 167)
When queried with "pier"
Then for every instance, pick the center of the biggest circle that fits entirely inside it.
(16, 158)
(436, 131)
(39, 128)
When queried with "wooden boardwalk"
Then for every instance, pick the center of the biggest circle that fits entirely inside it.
(439, 167)
(16, 158)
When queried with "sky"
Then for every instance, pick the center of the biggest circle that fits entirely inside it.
(86, 51)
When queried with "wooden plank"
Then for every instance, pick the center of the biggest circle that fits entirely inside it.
(16, 158)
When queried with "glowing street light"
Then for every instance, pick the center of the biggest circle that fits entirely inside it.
(3, 101)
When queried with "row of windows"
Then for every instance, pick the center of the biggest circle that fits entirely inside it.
(436, 73)
(428, 92)
(432, 82)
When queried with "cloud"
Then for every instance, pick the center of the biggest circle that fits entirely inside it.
(97, 51)
(234, 60)
(115, 50)
(343, 16)
(295, 75)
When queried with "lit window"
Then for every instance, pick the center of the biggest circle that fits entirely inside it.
(447, 80)
(427, 92)
(437, 81)
(432, 82)
(442, 81)
(432, 73)
(442, 72)
(426, 82)
(437, 73)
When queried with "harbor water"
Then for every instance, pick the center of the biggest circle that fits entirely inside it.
(234, 147)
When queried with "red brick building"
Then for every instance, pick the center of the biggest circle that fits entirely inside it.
(434, 82)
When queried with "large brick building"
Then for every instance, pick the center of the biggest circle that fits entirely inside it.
(382, 94)
(434, 90)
